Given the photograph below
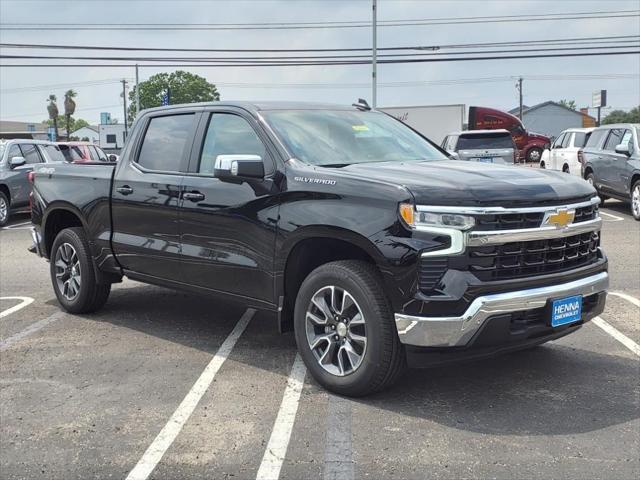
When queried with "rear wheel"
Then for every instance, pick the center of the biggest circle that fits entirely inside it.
(543, 165)
(73, 275)
(4, 209)
(345, 330)
(565, 168)
(635, 200)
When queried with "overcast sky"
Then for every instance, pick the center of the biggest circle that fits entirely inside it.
(18, 101)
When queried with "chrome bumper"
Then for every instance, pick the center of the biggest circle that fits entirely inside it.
(458, 331)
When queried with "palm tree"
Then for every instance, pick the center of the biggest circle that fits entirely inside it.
(69, 107)
(52, 108)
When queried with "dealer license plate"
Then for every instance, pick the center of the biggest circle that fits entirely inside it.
(566, 310)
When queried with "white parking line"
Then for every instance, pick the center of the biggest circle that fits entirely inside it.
(615, 217)
(279, 441)
(4, 344)
(621, 337)
(628, 298)
(170, 431)
(24, 301)
(18, 226)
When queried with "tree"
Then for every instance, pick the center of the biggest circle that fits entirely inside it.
(79, 123)
(568, 103)
(69, 107)
(620, 116)
(74, 124)
(52, 109)
(184, 87)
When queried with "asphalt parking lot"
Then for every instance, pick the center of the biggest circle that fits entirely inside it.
(161, 384)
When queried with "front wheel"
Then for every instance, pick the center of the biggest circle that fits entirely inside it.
(534, 154)
(4, 209)
(591, 179)
(345, 330)
(635, 200)
(73, 275)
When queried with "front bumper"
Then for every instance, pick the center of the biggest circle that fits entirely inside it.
(458, 331)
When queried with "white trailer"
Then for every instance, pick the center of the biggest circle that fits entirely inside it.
(433, 121)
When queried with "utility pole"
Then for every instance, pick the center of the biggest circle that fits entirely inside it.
(519, 87)
(124, 98)
(137, 92)
(374, 79)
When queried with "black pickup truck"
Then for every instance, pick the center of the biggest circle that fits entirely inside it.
(351, 228)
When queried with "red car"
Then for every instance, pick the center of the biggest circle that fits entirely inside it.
(81, 152)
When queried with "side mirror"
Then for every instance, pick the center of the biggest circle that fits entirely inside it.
(238, 167)
(623, 149)
(112, 157)
(17, 162)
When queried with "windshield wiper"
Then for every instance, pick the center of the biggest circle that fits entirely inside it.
(335, 165)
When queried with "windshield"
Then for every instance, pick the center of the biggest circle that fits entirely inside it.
(484, 141)
(337, 138)
(54, 153)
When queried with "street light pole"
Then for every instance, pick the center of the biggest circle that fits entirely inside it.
(124, 98)
(137, 92)
(374, 79)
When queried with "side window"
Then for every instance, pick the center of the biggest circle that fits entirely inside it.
(579, 139)
(614, 139)
(31, 153)
(93, 153)
(567, 139)
(558, 142)
(111, 138)
(165, 142)
(453, 139)
(444, 143)
(228, 134)
(101, 155)
(627, 139)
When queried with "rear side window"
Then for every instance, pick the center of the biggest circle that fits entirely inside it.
(165, 141)
(615, 138)
(595, 138)
(31, 153)
(72, 153)
(101, 155)
(93, 154)
(228, 134)
(53, 152)
(580, 139)
(484, 141)
(567, 139)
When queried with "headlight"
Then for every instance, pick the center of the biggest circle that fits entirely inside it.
(416, 219)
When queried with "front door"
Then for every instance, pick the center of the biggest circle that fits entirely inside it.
(229, 229)
(146, 235)
(611, 159)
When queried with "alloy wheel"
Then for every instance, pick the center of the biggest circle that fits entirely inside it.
(4, 210)
(336, 330)
(635, 200)
(67, 268)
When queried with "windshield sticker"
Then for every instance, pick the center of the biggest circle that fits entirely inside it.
(360, 128)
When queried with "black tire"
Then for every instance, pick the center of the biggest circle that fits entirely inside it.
(4, 217)
(534, 154)
(635, 200)
(592, 180)
(565, 169)
(383, 360)
(542, 165)
(90, 295)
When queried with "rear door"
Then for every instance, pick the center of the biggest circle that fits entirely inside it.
(620, 171)
(146, 235)
(229, 229)
(612, 161)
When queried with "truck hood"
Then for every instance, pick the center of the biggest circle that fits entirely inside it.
(539, 136)
(450, 182)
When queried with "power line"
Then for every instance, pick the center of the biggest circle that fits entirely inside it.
(90, 83)
(317, 63)
(326, 25)
(615, 39)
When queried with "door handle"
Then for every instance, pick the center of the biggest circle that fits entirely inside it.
(124, 190)
(193, 196)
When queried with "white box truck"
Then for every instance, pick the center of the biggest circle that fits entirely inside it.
(433, 121)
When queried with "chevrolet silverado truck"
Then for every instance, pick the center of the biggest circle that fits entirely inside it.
(347, 226)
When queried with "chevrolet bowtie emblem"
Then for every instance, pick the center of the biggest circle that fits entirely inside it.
(560, 218)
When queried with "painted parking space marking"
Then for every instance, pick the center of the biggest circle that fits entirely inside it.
(170, 431)
(628, 298)
(279, 441)
(614, 218)
(4, 344)
(24, 301)
(619, 336)
(338, 462)
(18, 226)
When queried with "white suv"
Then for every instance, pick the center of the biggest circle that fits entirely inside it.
(563, 155)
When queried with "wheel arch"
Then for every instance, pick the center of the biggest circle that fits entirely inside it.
(58, 217)
(4, 188)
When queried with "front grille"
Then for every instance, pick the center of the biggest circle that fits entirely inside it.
(508, 221)
(538, 257)
(585, 214)
(430, 271)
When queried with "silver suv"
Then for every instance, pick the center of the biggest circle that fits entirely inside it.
(487, 146)
(611, 163)
(17, 159)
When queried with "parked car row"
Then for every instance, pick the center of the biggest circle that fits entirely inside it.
(18, 157)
